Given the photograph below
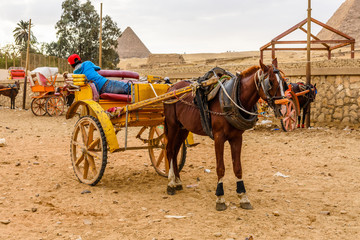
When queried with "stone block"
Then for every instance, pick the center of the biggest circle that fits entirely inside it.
(355, 85)
(354, 79)
(354, 114)
(340, 87)
(345, 120)
(338, 114)
(331, 80)
(328, 118)
(321, 117)
(339, 102)
(339, 80)
(354, 107)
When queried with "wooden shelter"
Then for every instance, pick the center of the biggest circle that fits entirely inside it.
(320, 45)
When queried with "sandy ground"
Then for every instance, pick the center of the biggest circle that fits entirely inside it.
(40, 197)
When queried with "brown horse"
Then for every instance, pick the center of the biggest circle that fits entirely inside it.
(10, 91)
(182, 117)
(304, 100)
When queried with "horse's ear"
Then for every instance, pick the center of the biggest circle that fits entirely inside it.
(275, 62)
(263, 67)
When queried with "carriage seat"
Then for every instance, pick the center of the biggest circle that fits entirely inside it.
(116, 97)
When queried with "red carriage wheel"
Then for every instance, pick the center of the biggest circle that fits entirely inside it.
(55, 105)
(38, 106)
(289, 111)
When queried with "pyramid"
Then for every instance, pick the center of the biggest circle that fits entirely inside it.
(347, 20)
(130, 45)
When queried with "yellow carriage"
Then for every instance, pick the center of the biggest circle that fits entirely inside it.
(102, 118)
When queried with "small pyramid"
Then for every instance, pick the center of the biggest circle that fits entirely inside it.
(130, 45)
(347, 20)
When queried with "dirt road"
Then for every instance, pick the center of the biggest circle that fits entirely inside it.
(303, 185)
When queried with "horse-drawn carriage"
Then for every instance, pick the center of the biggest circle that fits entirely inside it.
(102, 117)
(49, 98)
(233, 108)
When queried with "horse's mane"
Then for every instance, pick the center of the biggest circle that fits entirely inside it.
(249, 71)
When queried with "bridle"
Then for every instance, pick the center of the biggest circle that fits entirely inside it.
(264, 83)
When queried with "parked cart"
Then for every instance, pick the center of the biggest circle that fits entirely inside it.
(48, 98)
(101, 119)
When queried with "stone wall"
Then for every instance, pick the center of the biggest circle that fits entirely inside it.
(338, 98)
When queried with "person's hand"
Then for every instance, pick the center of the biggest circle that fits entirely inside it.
(65, 75)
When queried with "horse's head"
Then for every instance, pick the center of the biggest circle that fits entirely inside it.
(17, 83)
(313, 92)
(271, 85)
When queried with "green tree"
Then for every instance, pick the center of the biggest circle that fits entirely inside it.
(21, 34)
(78, 32)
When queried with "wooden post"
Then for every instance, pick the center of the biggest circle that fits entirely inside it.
(329, 54)
(308, 60)
(26, 65)
(352, 50)
(100, 38)
(262, 55)
(272, 51)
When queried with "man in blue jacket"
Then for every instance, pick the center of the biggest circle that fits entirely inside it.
(103, 85)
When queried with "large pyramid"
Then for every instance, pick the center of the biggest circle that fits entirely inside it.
(130, 45)
(347, 20)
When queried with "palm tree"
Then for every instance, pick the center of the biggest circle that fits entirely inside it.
(21, 33)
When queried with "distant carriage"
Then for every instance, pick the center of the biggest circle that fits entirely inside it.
(48, 98)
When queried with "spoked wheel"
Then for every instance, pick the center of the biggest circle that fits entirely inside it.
(88, 150)
(55, 105)
(288, 123)
(158, 151)
(38, 106)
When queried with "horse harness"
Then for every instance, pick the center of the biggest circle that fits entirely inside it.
(229, 90)
(264, 83)
(310, 96)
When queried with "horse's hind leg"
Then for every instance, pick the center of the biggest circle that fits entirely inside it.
(181, 136)
(303, 117)
(235, 145)
(220, 170)
(176, 137)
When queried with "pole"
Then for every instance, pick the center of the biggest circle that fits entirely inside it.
(26, 65)
(100, 37)
(308, 60)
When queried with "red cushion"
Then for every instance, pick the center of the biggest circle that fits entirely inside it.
(118, 73)
(116, 97)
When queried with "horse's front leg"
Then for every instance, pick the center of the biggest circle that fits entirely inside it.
(220, 170)
(236, 145)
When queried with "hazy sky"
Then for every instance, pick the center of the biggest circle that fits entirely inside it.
(178, 26)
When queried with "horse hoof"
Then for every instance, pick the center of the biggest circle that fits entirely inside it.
(220, 206)
(246, 206)
(179, 187)
(171, 190)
